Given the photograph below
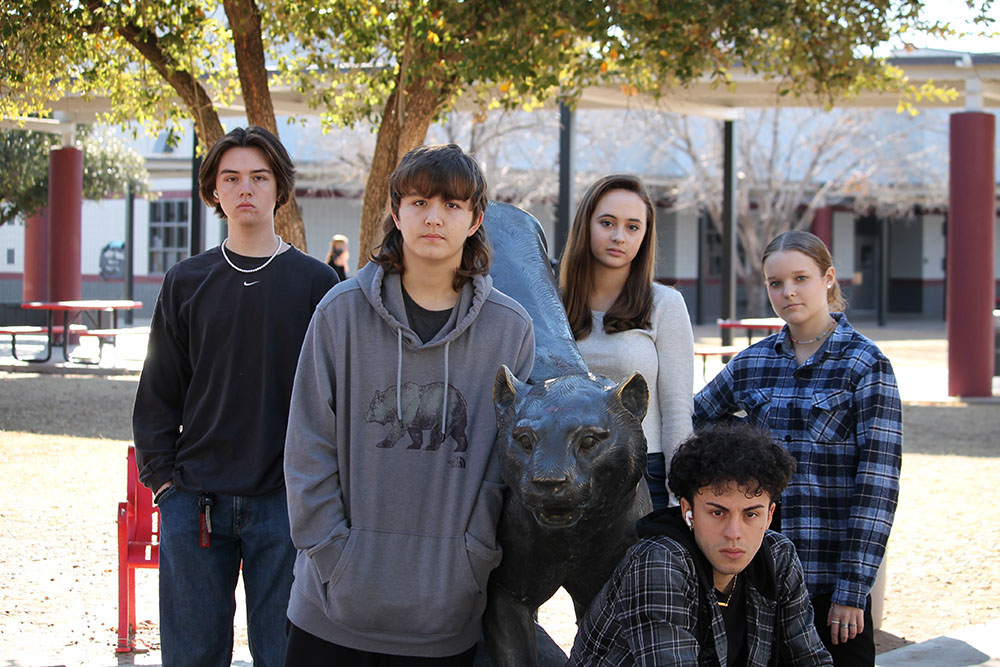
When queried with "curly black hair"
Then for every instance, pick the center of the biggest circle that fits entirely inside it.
(730, 452)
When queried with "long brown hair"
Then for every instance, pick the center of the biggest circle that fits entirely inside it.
(812, 247)
(633, 307)
(446, 170)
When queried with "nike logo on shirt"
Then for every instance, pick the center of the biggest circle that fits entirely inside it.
(246, 284)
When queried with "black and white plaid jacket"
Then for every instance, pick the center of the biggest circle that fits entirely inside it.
(659, 607)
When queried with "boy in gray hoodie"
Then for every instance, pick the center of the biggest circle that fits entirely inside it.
(394, 487)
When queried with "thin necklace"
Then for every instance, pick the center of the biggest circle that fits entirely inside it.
(230, 262)
(833, 325)
(731, 591)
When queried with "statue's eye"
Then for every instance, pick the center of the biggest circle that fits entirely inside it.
(592, 438)
(525, 438)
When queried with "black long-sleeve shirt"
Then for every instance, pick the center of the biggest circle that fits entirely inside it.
(212, 404)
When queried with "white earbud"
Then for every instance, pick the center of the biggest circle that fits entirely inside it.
(688, 517)
(215, 193)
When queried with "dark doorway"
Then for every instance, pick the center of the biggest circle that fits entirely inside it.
(863, 295)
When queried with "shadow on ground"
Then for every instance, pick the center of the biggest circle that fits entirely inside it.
(81, 406)
(961, 429)
(886, 641)
(101, 407)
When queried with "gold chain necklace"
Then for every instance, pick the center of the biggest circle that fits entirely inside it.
(731, 591)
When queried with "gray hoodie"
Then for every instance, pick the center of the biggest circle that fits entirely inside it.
(395, 524)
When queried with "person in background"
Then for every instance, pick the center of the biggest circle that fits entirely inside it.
(830, 394)
(339, 255)
(622, 320)
(212, 406)
(394, 486)
(708, 583)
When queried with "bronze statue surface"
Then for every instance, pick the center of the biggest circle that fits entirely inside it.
(571, 451)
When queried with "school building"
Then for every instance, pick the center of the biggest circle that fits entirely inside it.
(892, 261)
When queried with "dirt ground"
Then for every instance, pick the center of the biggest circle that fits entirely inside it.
(63, 442)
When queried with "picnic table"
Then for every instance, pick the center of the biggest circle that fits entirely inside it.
(751, 324)
(92, 310)
(706, 351)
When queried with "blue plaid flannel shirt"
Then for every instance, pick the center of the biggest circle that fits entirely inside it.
(840, 416)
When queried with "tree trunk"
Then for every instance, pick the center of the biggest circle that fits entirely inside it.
(404, 126)
(244, 21)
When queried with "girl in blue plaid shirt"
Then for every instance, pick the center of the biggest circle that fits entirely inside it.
(830, 394)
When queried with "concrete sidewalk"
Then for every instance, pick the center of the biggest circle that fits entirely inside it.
(975, 645)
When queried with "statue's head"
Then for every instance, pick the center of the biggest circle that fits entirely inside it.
(571, 446)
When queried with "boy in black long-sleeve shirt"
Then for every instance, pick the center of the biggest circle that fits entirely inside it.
(212, 407)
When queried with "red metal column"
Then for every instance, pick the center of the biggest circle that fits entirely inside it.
(65, 212)
(35, 284)
(822, 225)
(971, 219)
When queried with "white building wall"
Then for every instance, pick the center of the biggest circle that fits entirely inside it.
(325, 216)
(934, 247)
(12, 247)
(686, 245)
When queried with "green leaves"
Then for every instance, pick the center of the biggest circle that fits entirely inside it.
(109, 167)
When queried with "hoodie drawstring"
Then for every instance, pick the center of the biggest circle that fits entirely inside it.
(444, 401)
(399, 374)
(399, 382)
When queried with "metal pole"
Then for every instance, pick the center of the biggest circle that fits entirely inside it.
(883, 271)
(565, 201)
(728, 227)
(129, 250)
(195, 240)
(699, 296)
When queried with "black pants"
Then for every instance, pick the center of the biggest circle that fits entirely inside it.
(857, 652)
(307, 650)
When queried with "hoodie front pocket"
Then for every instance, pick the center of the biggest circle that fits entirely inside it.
(403, 584)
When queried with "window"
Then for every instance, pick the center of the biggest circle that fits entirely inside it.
(168, 233)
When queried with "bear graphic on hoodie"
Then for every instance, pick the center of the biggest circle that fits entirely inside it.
(420, 408)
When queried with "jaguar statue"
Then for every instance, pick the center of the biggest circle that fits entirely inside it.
(571, 452)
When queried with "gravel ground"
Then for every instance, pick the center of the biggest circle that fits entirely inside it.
(63, 440)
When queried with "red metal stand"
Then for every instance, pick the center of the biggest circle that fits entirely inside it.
(138, 546)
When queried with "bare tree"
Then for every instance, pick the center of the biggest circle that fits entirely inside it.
(794, 161)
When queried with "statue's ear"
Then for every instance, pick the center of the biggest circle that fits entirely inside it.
(633, 392)
(504, 389)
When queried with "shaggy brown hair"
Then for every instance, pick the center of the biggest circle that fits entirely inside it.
(446, 170)
(633, 308)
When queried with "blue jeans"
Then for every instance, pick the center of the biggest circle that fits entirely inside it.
(197, 586)
(656, 480)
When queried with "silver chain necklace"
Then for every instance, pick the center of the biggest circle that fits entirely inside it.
(833, 325)
(230, 262)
